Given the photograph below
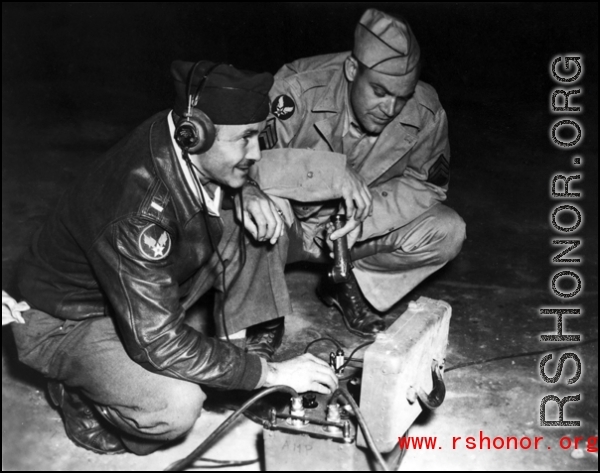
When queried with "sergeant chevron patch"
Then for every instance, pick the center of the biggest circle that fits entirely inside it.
(268, 137)
(283, 107)
(154, 243)
(439, 173)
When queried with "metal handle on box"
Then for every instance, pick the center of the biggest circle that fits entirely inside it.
(434, 399)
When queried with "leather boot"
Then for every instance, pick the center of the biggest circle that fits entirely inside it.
(348, 299)
(83, 425)
(264, 339)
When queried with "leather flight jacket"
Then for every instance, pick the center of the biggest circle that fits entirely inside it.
(131, 241)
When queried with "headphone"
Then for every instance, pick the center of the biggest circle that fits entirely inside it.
(195, 132)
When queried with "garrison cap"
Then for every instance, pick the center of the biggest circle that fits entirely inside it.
(229, 96)
(385, 43)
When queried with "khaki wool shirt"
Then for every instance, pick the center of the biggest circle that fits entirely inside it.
(406, 166)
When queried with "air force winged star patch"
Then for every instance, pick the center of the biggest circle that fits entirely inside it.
(283, 107)
(154, 243)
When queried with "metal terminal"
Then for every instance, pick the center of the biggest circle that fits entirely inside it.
(342, 263)
(339, 361)
(347, 431)
(273, 416)
(333, 415)
(297, 410)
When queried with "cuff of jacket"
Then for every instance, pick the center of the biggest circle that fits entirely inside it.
(299, 174)
(253, 373)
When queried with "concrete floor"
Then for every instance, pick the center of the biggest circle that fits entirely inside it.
(502, 165)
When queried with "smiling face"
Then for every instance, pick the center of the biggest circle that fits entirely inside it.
(378, 98)
(234, 151)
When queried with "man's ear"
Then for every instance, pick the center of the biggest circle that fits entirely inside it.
(350, 68)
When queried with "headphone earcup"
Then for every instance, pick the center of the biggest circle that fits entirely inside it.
(196, 133)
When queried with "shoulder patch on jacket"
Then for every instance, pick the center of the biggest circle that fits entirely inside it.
(268, 137)
(283, 107)
(154, 242)
(439, 173)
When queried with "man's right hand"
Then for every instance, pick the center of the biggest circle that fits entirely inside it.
(303, 373)
(262, 217)
(357, 196)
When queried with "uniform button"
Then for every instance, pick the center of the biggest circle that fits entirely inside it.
(310, 174)
(384, 194)
(305, 208)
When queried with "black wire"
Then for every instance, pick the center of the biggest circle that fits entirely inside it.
(214, 436)
(348, 358)
(341, 391)
(222, 463)
(226, 462)
(486, 360)
(192, 167)
(333, 340)
(518, 355)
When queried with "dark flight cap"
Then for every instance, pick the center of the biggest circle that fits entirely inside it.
(230, 96)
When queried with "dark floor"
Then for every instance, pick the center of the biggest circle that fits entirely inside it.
(57, 116)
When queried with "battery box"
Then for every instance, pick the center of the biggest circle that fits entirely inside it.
(402, 373)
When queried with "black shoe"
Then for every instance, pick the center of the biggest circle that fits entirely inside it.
(264, 339)
(83, 425)
(348, 299)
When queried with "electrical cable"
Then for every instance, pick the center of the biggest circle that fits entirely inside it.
(486, 360)
(362, 345)
(193, 170)
(518, 355)
(363, 424)
(214, 436)
(222, 463)
(333, 340)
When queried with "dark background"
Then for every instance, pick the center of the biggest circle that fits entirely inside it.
(499, 47)
(78, 77)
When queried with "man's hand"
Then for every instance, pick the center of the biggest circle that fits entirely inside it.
(11, 310)
(351, 229)
(357, 196)
(262, 218)
(303, 373)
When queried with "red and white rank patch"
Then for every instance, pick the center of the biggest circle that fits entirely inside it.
(154, 243)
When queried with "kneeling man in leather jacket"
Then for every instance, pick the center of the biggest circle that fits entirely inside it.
(154, 225)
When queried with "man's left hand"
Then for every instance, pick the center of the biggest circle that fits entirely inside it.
(262, 218)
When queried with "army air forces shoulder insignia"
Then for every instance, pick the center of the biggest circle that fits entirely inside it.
(154, 243)
(283, 107)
